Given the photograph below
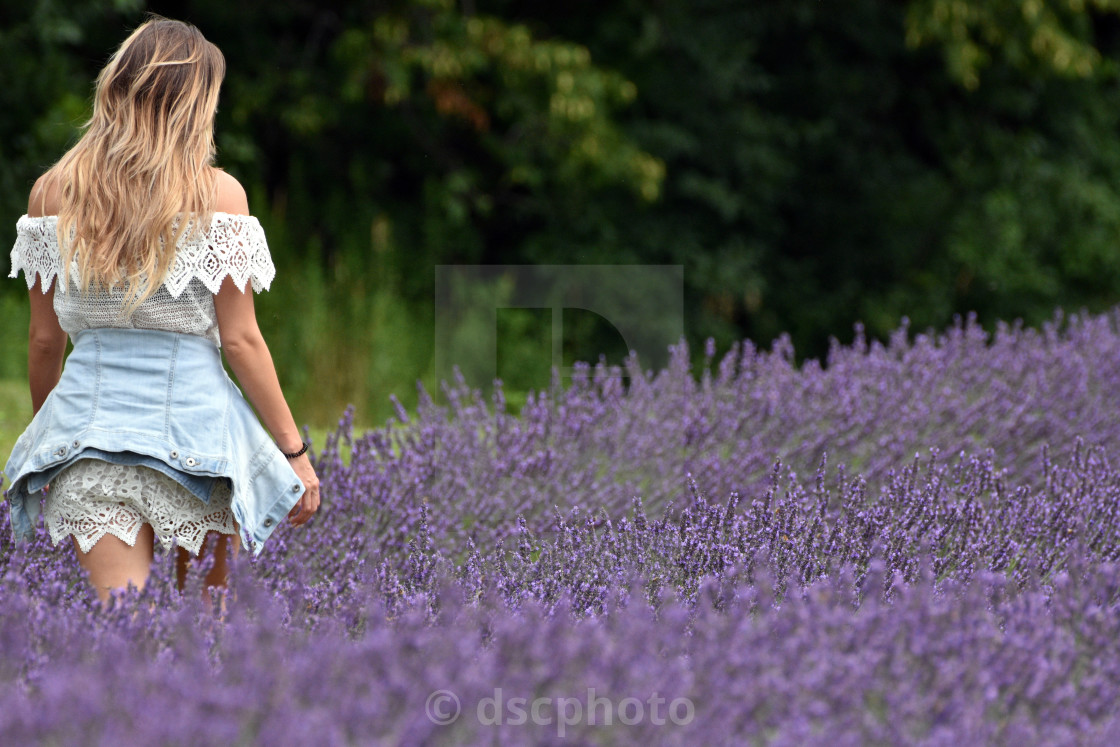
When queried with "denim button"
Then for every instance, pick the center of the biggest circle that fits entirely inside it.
(61, 451)
(174, 454)
(191, 461)
(295, 488)
(268, 522)
(77, 444)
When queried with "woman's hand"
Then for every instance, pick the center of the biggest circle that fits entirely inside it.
(309, 503)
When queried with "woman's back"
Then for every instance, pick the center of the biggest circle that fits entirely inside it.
(233, 246)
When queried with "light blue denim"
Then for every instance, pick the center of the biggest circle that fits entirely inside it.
(162, 400)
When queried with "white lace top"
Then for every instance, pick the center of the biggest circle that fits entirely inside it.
(234, 247)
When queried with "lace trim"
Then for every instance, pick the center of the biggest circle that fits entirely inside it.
(92, 498)
(234, 247)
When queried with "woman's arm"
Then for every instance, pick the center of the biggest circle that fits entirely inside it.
(46, 342)
(248, 355)
(46, 345)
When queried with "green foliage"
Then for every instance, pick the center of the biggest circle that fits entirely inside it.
(45, 48)
(377, 141)
(810, 164)
(821, 172)
(973, 34)
(1043, 230)
(15, 412)
(539, 109)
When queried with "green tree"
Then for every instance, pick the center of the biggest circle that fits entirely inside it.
(376, 139)
(810, 163)
(45, 49)
(46, 52)
(1026, 34)
(821, 172)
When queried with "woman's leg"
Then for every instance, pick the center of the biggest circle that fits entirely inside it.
(114, 564)
(219, 572)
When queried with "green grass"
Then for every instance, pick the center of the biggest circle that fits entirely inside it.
(351, 342)
(15, 413)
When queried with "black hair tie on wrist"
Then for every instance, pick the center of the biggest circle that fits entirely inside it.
(297, 454)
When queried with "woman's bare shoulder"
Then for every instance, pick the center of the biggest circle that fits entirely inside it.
(44, 197)
(230, 195)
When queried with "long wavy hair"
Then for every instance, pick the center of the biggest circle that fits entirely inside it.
(139, 178)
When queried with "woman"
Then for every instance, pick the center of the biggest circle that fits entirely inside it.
(140, 251)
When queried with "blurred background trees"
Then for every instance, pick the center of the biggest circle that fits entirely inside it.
(810, 163)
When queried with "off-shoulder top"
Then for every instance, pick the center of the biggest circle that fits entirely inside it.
(234, 246)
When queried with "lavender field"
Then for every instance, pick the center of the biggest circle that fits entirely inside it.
(911, 543)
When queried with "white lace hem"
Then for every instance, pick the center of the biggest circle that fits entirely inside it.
(92, 498)
(234, 246)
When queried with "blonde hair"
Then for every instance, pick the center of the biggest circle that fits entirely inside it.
(139, 178)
